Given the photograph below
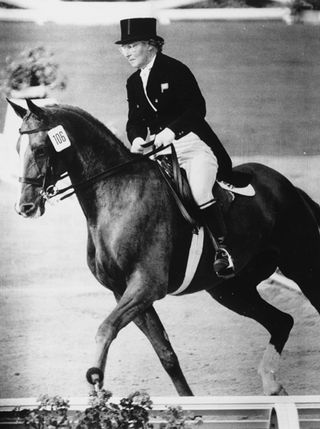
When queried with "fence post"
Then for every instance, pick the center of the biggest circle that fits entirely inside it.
(284, 416)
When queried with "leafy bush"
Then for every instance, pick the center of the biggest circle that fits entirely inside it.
(177, 418)
(32, 68)
(132, 412)
(51, 413)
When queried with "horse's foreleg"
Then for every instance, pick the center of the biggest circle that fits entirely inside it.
(151, 326)
(136, 299)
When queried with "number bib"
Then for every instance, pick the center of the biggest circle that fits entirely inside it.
(59, 138)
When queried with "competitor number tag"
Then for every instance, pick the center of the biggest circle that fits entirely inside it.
(59, 138)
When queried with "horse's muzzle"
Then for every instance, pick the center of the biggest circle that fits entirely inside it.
(29, 210)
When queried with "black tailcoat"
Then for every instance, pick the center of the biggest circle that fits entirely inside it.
(175, 93)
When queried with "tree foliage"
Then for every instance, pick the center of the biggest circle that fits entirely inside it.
(32, 67)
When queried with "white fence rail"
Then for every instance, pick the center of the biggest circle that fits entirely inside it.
(217, 412)
(225, 14)
(110, 12)
(100, 13)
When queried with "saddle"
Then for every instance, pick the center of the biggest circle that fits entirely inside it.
(178, 184)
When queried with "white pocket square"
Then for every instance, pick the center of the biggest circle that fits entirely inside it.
(164, 86)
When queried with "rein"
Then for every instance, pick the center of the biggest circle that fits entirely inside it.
(107, 173)
(51, 191)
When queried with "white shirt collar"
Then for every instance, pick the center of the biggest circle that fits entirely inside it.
(149, 66)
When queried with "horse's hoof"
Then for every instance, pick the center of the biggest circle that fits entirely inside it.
(280, 392)
(283, 392)
(95, 376)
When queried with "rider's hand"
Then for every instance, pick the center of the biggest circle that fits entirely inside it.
(137, 145)
(164, 138)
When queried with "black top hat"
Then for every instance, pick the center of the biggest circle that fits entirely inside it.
(137, 29)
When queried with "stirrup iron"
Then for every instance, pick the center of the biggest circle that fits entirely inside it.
(228, 271)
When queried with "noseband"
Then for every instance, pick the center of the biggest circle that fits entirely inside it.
(42, 181)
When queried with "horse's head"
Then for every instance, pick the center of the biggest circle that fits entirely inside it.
(39, 166)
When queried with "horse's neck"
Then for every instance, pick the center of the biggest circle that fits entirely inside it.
(95, 151)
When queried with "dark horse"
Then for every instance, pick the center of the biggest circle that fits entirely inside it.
(135, 229)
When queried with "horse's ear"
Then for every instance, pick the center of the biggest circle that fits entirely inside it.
(36, 110)
(20, 111)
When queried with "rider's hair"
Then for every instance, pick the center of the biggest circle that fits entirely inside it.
(158, 44)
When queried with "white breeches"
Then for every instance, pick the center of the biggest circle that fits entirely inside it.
(200, 164)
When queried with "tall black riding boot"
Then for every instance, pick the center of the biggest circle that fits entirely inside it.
(213, 218)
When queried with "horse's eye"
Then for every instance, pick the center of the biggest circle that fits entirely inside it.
(40, 152)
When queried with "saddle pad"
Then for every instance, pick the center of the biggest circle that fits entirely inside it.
(247, 191)
(195, 252)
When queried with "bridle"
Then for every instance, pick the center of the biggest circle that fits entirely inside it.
(42, 180)
(49, 191)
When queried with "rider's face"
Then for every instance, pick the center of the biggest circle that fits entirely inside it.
(139, 54)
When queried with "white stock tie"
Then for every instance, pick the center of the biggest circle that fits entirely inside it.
(144, 74)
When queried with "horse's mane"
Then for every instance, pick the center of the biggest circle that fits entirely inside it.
(92, 122)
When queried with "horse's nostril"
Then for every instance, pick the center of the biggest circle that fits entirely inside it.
(26, 209)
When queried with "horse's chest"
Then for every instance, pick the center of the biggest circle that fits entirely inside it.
(100, 260)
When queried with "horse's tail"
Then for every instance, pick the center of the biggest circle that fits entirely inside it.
(315, 207)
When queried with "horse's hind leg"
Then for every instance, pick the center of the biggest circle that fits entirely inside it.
(304, 269)
(299, 243)
(151, 326)
(240, 295)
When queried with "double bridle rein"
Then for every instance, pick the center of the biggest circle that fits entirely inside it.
(49, 191)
